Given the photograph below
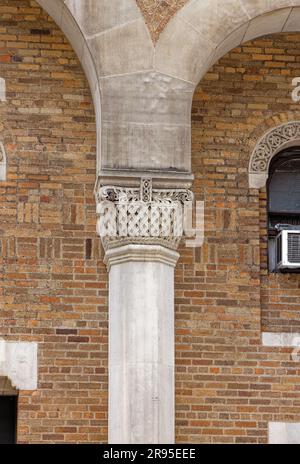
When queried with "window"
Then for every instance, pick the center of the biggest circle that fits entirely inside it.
(283, 197)
(8, 419)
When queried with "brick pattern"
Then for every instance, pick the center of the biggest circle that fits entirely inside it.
(53, 281)
(228, 386)
(157, 14)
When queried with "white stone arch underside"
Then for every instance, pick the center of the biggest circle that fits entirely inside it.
(111, 40)
(205, 30)
(273, 142)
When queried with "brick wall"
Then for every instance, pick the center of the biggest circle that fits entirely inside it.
(53, 282)
(228, 386)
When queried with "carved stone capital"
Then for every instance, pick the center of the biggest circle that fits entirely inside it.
(141, 216)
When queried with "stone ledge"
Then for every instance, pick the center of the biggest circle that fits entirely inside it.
(140, 253)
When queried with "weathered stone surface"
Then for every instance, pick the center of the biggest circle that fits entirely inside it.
(123, 49)
(145, 147)
(293, 21)
(146, 120)
(267, 23)
(228, 44)
(96, 16)
(193, 51)
(255, 8)
(214, 19)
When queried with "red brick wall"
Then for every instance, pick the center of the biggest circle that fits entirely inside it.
(53, 282)
(228, 386)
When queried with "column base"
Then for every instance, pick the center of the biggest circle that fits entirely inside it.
(140, 253)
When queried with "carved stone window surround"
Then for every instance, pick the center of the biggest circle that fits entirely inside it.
(275, 140)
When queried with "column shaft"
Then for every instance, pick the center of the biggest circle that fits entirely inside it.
(141, 345)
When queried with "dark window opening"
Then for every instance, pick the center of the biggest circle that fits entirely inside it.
(283, 198)
(8, 419)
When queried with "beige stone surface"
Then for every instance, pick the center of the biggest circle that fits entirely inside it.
(121, 50)
(267, 23)
(101, 15)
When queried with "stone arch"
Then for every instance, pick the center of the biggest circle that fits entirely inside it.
(279, 136)
(203, 31)
(111, 40)
(63, 17)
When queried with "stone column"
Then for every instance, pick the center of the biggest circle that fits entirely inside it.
(140, 230)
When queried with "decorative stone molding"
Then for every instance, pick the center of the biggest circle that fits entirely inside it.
(141, 215)
(274, 141)
(138, 253)
(18, 362)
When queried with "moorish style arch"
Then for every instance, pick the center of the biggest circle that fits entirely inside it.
(273, 142)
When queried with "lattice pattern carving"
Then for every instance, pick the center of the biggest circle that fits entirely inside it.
(272, 143)
(131, 215)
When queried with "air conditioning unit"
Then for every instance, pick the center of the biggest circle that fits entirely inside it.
(288, 250)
